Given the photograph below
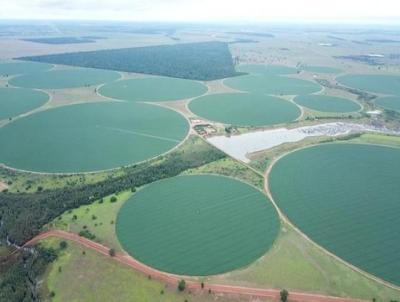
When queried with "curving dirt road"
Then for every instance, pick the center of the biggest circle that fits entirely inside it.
(173, 279)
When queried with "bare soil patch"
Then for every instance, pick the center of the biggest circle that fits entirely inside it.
(218, 87)
(3, 186)
(62, 97)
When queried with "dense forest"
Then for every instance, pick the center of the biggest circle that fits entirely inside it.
(22, 215)
(61, 40)
(251, 34)
(197, 61)
(20, 274)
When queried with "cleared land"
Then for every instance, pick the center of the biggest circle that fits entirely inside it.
(199, 61)
(98, 218)
(320, 69)
(58, 79)
(154, 89)
(93, 277)
(15, 101)
(275, 85)
(19, 67)
(89, 137)
(244, 109)
(325, 103)
(345, 198)
(391, 103)
(298, 265)
(266, 69)
(387, 84)
(188, 225)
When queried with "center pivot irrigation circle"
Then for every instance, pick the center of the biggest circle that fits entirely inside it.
(197, 225)
(153, 89)
(90, 137)
(345, 197)
(244, 109)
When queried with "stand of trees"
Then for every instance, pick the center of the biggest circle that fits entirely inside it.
(20, 274)
(198, 61)
(61, 40)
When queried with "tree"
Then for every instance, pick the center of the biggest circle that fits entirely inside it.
(63, 245)
(182, 285)
(111, 252)
(284, 295)
(113, 199)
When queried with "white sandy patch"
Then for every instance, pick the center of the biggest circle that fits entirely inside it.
(374, 112)
(3, 186)
(239, 146)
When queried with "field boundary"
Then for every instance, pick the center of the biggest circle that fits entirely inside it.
(174, 279)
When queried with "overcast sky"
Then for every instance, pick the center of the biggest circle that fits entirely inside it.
(201, 10)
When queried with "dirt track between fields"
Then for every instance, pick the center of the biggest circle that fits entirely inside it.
(173, 279)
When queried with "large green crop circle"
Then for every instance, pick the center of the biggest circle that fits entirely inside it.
(345, 197)
(197, 225)
(260, 69)
(22, 67)
(386, 84)
(60, 79)
(153, 89)
(320, 69)
(274, 85)
(90, 137)
(244, 109)
(326, 103)
(390, 103)
(16, 101)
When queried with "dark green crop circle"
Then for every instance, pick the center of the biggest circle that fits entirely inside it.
(197, 225)
(345, 197)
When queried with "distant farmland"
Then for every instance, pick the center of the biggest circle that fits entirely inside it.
(197, 61)
(64, 40)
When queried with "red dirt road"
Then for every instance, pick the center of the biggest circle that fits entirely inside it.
(173, 279)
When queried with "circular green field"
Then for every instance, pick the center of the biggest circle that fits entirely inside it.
(345, 197)
(276, 85)
(244, 109)
(197, 225)
(387, 84)
(20, 67)
(15, 101)
(90, 137)
(391, 103)
(325, 103)
(266, 69)
(70, 78)
(321, 69)
(154, 89)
